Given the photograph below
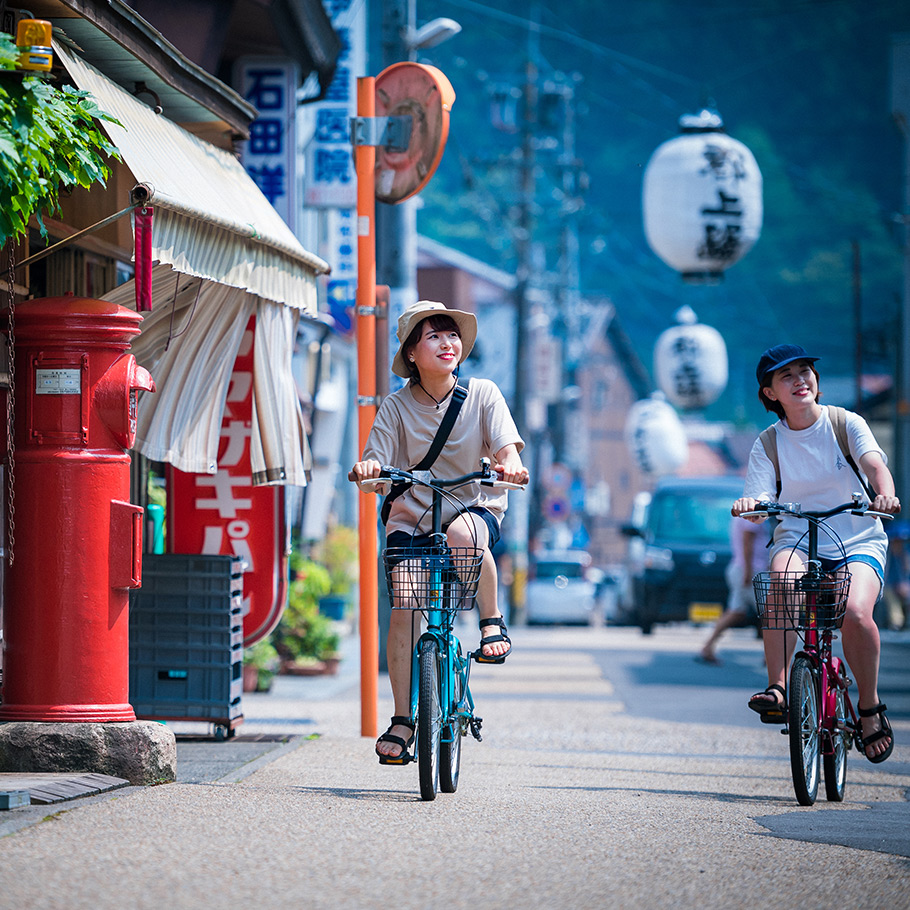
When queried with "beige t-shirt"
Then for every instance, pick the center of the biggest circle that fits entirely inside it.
(403, 432)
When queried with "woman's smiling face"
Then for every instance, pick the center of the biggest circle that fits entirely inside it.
(793, 384)
(438, 350)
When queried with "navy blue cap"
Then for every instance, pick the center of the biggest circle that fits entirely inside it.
(779, 356)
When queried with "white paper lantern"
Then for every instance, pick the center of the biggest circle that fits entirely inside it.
(702, 199)
(655, 436)
(690, 362)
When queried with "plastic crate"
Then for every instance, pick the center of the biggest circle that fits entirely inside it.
(169, 691)
(186, 638)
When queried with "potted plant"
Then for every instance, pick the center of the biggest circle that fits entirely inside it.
(304, 638)
(260, 664)
(337, 552)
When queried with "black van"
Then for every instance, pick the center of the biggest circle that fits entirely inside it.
(679, 553)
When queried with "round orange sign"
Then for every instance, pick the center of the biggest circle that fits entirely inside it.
(424, 94)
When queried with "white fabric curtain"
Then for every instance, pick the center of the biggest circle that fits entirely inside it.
(189, 343)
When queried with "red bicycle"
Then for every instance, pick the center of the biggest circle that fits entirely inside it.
(821, 721)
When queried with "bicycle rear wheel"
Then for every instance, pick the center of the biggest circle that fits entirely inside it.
(450, 748)
(805, 738)
(835, 764)
(429, 720)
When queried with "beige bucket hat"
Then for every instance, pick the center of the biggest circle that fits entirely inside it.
(415, 313)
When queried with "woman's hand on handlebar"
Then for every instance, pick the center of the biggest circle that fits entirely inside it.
(511, 475)
(509, 466)
(890, 505)
(747, 504)
(367, 470)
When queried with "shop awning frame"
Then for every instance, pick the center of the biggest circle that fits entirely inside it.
(211, 219)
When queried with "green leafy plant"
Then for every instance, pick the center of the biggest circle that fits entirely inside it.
(49, 140)
(303, 632)
(264, 657)
(338, 552)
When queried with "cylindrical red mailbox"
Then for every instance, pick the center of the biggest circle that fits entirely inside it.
(77, 539)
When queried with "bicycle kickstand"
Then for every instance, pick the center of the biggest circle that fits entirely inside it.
(476, 723)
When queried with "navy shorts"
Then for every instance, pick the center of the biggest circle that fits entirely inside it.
(404, 539)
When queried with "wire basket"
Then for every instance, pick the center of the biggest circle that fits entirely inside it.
(790, 601)
(432, 578)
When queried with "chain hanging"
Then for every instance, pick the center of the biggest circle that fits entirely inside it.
(11, 406)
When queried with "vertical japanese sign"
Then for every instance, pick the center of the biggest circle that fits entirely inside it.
(329, 179)
(224, 514)
(270, 85)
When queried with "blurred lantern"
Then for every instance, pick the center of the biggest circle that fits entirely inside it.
(655, 436)
(690, 362)
(702, 199)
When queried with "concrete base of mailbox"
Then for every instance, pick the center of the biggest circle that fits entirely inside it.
(142, 752)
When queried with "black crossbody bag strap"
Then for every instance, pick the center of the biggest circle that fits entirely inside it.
(459, 393)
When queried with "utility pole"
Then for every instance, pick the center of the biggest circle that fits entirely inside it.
(396, 228)
(900, 110)
(523, 238)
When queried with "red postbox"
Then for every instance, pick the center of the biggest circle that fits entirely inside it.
(77, 539)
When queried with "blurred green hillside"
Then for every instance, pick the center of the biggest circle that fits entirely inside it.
(803, 83)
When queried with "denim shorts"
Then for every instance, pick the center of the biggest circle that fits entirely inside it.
(404, 539)
(829, 565)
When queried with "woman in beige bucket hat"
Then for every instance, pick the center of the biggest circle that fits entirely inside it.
(433, 343)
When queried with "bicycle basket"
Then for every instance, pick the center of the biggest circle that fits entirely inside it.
(432, 578)
(790, 601)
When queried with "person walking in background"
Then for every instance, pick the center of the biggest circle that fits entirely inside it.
(897, 577)
(748, 543)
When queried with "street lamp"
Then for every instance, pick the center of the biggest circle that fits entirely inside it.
(434, 32)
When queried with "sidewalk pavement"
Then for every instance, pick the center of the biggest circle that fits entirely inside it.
(275, 723)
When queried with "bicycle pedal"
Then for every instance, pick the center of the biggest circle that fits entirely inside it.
(476, 723)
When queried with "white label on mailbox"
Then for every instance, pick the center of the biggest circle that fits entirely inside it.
(58, 382)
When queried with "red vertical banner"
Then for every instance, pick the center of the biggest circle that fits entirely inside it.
(224, 514)
(142, 236)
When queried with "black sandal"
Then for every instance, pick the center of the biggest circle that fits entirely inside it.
(403, 757)
(770, 714)
(882, 733)
(479, 656)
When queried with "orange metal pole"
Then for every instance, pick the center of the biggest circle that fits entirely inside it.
(365, 162)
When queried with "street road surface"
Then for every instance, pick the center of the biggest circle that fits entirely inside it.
(615, 771)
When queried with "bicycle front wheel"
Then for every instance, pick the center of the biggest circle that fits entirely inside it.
(450, 748)
(835, 763)
(805, 738)
(429, 720)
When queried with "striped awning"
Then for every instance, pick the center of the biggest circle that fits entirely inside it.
(211, 220)
(189, 343)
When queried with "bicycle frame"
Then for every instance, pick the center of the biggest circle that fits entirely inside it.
(830, 672)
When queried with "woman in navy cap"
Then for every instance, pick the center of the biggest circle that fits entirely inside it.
(813, 472)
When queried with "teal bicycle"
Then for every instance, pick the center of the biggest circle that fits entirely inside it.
(439, 581)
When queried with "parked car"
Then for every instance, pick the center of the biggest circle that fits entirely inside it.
(561, 588)
(678, 574)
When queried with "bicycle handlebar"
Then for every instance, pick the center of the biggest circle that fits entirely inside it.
(764, 509)
(485, 475)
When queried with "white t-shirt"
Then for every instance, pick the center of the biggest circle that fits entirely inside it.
(403, 432)
(814, 473)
